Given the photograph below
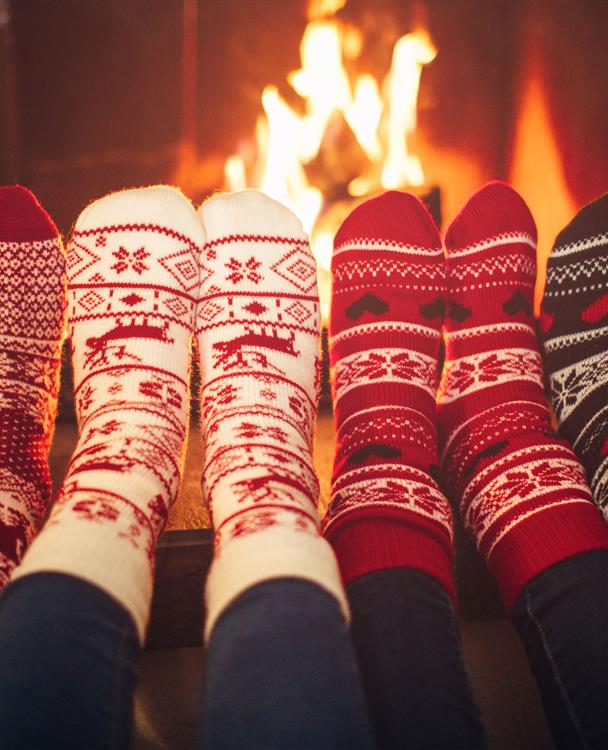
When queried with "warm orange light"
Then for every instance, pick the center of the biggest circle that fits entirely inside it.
(322, 8)
(411, 52)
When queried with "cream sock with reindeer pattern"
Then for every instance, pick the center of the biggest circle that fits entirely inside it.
(258, 333)
(132, 279)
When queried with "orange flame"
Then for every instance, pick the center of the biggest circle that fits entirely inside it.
(380, 116)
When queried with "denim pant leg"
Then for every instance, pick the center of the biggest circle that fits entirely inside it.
(280, 674)
(410, 656)
(562, 617)
(68, 657)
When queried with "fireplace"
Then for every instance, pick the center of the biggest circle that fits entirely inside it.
(103, 94)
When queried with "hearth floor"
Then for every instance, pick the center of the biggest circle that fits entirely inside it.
(167, 700)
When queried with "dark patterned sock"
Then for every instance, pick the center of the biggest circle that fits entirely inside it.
(574, 326)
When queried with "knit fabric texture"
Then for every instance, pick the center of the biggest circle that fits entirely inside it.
(32, 321)
(574, 323)
(521, 491)
(258, 337)
(133, 276)
(387, 509)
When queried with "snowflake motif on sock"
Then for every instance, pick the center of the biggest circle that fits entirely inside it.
(126, 259)
(253, 522)
(240, 270)
(112, 425)
(249, 431)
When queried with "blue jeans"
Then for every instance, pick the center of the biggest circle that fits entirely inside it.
(68, 654)
(408, 645)
(562, 617)
(68, 657)
(280, 673)
(280, 670)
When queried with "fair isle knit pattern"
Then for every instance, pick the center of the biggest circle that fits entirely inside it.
(386, 508)
(258, 336)
(132, 281)
(32, 317)
(521, 491)
(574, 324)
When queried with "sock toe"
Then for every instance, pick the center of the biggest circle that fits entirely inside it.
(494, 210)
(589, 222)
(251, 212)
(22, 217)
(141, 206)
(390, 217)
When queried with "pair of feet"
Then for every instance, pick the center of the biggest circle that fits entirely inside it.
(145, 272)
(519, 488)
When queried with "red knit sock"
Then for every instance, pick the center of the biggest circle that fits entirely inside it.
(386, 510)
(32, 308)
(521, 490)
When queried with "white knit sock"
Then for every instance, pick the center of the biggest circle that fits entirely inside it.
(133, 275)
(258, 334)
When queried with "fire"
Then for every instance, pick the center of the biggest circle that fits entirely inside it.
(379, 115)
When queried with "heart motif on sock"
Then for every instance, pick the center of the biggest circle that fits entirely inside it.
(368, 303)
(375, 450)
(597, 311)
(457, 312)
(516, 304)
(435, 309)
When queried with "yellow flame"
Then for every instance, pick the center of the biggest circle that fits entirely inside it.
(234, 171)
(363, 116)
(288, 141)
(411, 52)
(322, 8)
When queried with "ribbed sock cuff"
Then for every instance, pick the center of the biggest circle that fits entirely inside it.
(367, 544)
(542, 540)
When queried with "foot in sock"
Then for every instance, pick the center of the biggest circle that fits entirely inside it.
(32, 312)
(574, 324)
(133, 276)
(386, 508)
(521, 491)
(258, 336)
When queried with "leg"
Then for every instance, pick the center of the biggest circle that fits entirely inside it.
(574, 323)
(562, 616)
(67, 666)
(280, 665)
(274, 583)
(521, 490)
(408, 646)
(132, 259)
(388, 520)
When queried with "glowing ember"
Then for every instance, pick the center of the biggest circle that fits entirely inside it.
(379, 116)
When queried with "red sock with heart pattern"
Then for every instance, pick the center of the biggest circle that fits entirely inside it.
(387, 510)
(521, 490)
